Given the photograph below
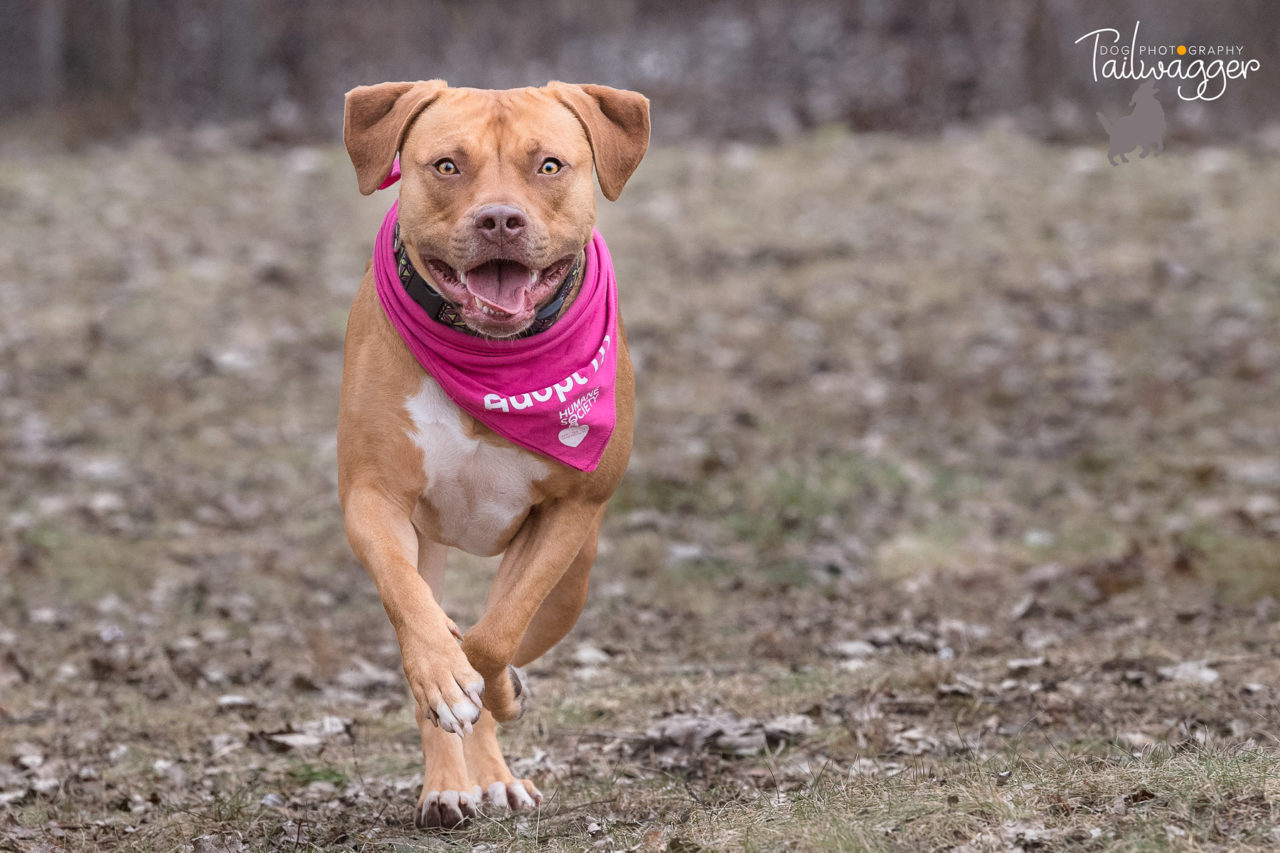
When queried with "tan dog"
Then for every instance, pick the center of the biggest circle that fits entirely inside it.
(482, 171)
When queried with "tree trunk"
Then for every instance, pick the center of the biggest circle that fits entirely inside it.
(51, 45)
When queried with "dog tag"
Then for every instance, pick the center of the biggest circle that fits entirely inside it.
(572, 436)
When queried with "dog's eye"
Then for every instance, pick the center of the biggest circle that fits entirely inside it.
(446, 167)
(549, 166)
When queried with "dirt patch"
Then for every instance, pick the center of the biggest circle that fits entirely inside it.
(952, 520)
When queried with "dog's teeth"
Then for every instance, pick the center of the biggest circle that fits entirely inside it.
(534, 279)
(462, 277)
(491, 312)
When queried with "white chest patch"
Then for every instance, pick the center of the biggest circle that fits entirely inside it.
(478, 490)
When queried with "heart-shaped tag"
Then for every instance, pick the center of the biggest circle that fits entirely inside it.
(572, 436)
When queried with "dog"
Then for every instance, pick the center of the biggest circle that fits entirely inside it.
(487, 394)
(1144, 127)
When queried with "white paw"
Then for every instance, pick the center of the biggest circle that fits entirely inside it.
(513, 796)
(458, 709)
(461, 714)
(447, 809)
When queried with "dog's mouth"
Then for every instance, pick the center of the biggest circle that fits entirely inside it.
(500, 297)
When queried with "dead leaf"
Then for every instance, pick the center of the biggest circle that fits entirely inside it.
(954, 689)
(235, 702)
(1121, 805)
(1192, 671)
(221, 842)
(1017, 666)
(854, 649)
(914, 741)
(588, 655)
(307, 736)
(1136, 740)
(366, 677)
(684, 845)
(292, 833)
(721, 732)
(787, 729)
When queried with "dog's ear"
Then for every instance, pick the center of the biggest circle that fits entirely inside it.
(617, 125)
(375, 121)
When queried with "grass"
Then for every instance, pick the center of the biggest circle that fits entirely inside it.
(1243, 567)
(1077, 796)
(955, 448)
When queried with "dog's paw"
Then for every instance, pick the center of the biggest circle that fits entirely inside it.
(459, 715)
(507, 695)
(516, 795)
(518, 685)
(448, 691)
(447, 809)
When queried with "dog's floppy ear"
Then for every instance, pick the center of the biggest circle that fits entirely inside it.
(617, 126)
(375, 121)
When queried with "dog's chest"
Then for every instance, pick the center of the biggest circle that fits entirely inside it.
(477, 492)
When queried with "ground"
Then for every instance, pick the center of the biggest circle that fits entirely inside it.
(953, 519)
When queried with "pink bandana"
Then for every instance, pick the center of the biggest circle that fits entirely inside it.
(552, 392)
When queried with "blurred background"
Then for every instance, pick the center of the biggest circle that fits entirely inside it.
(948, 430)
(760, 69)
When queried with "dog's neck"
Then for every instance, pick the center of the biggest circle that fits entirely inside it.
(442, 311)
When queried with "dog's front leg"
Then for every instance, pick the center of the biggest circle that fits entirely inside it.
(535, 561)
(444, 684)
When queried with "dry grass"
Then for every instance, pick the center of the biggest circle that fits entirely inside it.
(960, 452)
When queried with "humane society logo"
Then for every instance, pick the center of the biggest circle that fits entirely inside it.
(1201, 73)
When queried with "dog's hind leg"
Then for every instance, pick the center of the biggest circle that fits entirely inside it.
(487, 769)
(489, 774)
(560, 609)
(538, 558)
(1144, 152)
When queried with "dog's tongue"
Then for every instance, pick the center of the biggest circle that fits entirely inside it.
(501, 283)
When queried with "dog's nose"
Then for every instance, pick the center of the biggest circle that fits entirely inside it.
(500, 222)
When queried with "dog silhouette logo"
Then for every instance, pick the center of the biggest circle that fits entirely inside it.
(1143, 128)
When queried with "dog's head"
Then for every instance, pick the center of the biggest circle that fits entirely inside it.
(496, 197)
(1145, 92)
